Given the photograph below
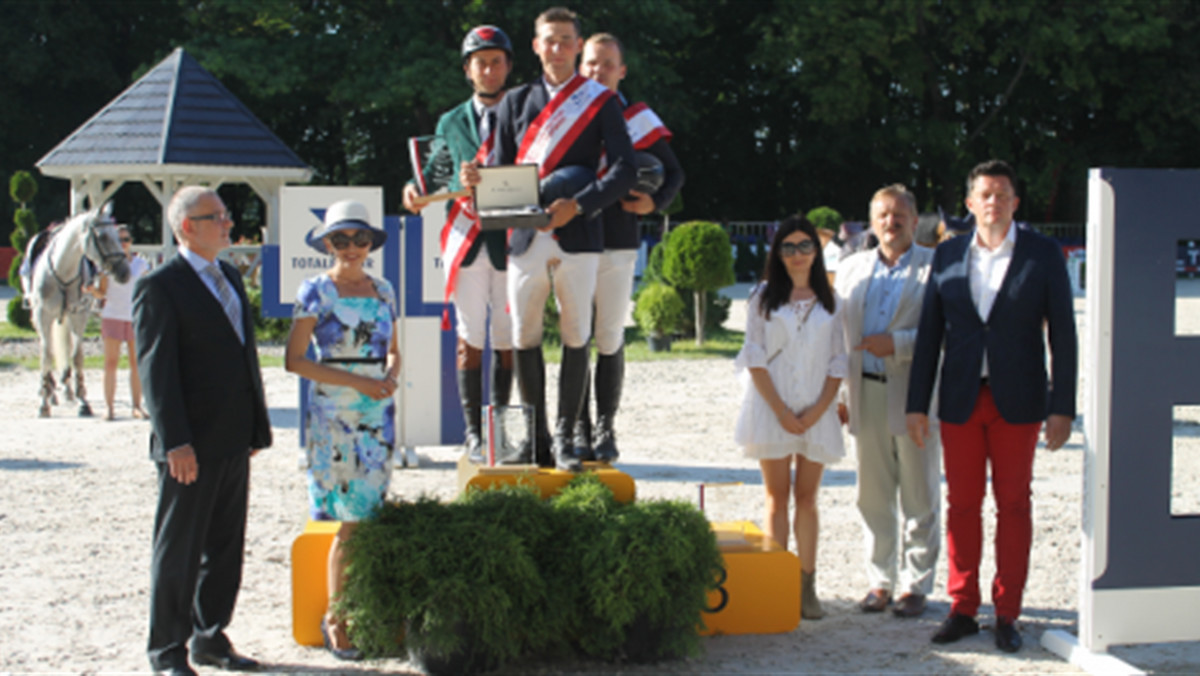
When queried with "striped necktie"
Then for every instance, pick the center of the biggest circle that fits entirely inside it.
(487, 133)
(228, 302)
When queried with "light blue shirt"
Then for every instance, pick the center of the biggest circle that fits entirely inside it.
(883, 295)
(198, 264)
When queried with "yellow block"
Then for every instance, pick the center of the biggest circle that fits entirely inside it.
(310, 596)
(761, 592)
(548, 481)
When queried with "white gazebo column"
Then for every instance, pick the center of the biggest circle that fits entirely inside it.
(267, 189)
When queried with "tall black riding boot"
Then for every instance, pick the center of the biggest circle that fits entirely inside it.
(572, 383)
(583, 425)
(502, 377)
(610, 374)
(470, 392)
(531, 382)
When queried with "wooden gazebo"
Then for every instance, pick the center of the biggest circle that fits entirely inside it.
(176, 125)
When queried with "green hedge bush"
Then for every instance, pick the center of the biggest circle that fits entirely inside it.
(501, 575)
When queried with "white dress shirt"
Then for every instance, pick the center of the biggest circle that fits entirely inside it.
(987, 269)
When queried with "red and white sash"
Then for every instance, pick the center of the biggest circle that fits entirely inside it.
(645, 129)
(462, 229)
(562, 120)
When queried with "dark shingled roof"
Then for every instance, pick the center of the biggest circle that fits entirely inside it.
(177, 113)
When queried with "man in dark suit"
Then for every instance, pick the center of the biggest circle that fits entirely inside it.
(993, 297)
(476, 278)
(564, 123)
(199, 368)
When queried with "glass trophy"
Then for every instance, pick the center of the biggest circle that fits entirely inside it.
(432, 163)
(507, 430)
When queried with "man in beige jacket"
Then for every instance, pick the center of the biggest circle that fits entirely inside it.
(882, 290)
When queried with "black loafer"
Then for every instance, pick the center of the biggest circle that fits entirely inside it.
(955, 627)
(229, 661)
(1007, 638)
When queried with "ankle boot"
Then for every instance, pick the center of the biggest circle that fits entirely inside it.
(610, 375)
(470, 392)
(582, 437)
(810, 606)
(531, 383)
(502, 377)
(572, 379)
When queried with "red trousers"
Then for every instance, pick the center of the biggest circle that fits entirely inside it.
(966, 450)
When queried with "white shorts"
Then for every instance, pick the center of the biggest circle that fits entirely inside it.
(614, 289)
(529, 278)
(480, 288)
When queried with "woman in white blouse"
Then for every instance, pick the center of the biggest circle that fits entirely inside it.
(792, 363)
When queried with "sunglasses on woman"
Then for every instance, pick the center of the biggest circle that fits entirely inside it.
(789, 249)
(360, 238)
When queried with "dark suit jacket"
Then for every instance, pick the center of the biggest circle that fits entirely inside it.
(202, 385)
(606, 133)
(1035, 293)
(460, 127)
(620, 226)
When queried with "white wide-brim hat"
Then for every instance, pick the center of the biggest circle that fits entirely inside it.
(344, 215)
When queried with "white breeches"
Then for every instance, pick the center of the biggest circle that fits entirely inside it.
(482, 290)
(614, 287)
(529, 284)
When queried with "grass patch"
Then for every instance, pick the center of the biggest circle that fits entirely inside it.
(97, 362)
(14, 332)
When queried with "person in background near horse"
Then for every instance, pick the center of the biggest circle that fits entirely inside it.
(791, 365)
(564, 123)
(349, 317)
(996, 299)
(881, 291)
(604, 62)
(475, 261)
(116, 326)
(208, 416)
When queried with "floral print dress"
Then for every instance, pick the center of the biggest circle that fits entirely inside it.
(350, 436)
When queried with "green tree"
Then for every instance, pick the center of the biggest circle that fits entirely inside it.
(699, 257)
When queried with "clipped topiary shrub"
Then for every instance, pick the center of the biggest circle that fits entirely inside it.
(500, 575)
(825, 218)
(22, 188)
(654, 263)
(659, 310)
(698, 258)
(18, 314)
(648, 577)
(461, 590)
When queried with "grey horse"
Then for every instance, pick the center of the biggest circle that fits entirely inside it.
(59, 307)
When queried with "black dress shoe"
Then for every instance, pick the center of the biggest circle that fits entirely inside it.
(1007, 638)
(229, 661)
(955, 627)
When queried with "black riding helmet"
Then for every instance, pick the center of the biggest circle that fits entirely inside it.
(485, 37)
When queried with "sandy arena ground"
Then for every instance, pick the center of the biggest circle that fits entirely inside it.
(78, 497)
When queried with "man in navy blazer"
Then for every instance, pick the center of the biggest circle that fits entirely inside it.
(993, 298)
(567, 251)
(199, 368)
